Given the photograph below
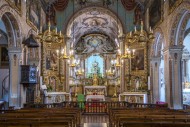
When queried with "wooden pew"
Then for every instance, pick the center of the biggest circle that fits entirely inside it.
(147, 117)
(56, 117)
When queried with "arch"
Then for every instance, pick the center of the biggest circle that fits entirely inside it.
(12, 23)
(94, 19)
(157, 45)
(179, 21)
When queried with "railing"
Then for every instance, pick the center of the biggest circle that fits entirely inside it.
(5, 88)
(95, 107)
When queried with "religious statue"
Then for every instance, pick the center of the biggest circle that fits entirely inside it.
(95, 68)
(137, 83)
(95, 80)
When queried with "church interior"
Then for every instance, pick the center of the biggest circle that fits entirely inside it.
(94, 63)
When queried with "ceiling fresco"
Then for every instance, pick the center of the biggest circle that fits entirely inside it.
(94, 20)
(95, 43)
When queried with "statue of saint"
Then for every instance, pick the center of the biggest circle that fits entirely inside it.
(137, 83)
(95, 68)
(95, 80)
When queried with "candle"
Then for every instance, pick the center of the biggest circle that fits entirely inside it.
(141, 26)
(133, 51)
(62, 52)
(135, 29)
(56, 30)
(40, 29)
(41, 81)
(150, 29)
(130, 34)
(57, 52)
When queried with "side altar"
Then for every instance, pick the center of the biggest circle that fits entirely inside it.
(134, 97)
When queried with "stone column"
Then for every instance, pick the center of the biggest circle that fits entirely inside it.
(173, 79)
(15, 97)
(155, 63)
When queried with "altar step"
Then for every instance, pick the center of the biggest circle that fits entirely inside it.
(95, 125)
(94, 121)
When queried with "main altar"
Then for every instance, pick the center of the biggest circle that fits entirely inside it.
(109, 73)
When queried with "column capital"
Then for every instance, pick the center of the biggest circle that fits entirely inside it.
(121, 38)
(175, 48)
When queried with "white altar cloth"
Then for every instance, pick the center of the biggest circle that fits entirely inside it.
(134, 94)
(95, 97)
(54, 97)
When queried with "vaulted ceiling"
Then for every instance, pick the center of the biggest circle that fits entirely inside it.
(94, 20)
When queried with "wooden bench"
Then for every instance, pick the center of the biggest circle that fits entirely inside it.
(55, 117)
(148, 117)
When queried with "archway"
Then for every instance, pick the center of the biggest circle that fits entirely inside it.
(157, 67)
(13, 46)
(94, 31)
(179, 37)
(186, 65)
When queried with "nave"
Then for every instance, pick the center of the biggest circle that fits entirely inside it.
(116, 63)
(59, 115)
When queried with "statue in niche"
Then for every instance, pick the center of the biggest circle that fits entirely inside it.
(95, 68)
(137, 83)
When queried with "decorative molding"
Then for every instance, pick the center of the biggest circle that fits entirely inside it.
(18, 9)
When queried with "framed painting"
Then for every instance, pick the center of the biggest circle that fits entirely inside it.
(33, 13)
(155, 13)
(138, 60)
(173, 4)
(52, 60)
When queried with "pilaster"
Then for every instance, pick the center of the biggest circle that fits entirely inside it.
(155, 63)
(15, 97)
(173, 79)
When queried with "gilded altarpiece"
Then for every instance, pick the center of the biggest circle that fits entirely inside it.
(52, 67)
(136, 73)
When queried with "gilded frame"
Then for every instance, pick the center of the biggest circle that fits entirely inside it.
(173, 4)
(56, 72)
(142, 51)
(139, 48)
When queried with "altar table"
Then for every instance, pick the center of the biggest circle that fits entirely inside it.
(135, 97)
(91, 88)
(54, 97)
(95, 97)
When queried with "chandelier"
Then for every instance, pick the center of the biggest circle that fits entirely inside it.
(129, 53)
(140, 36)
(72, 61)
(50, 36)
